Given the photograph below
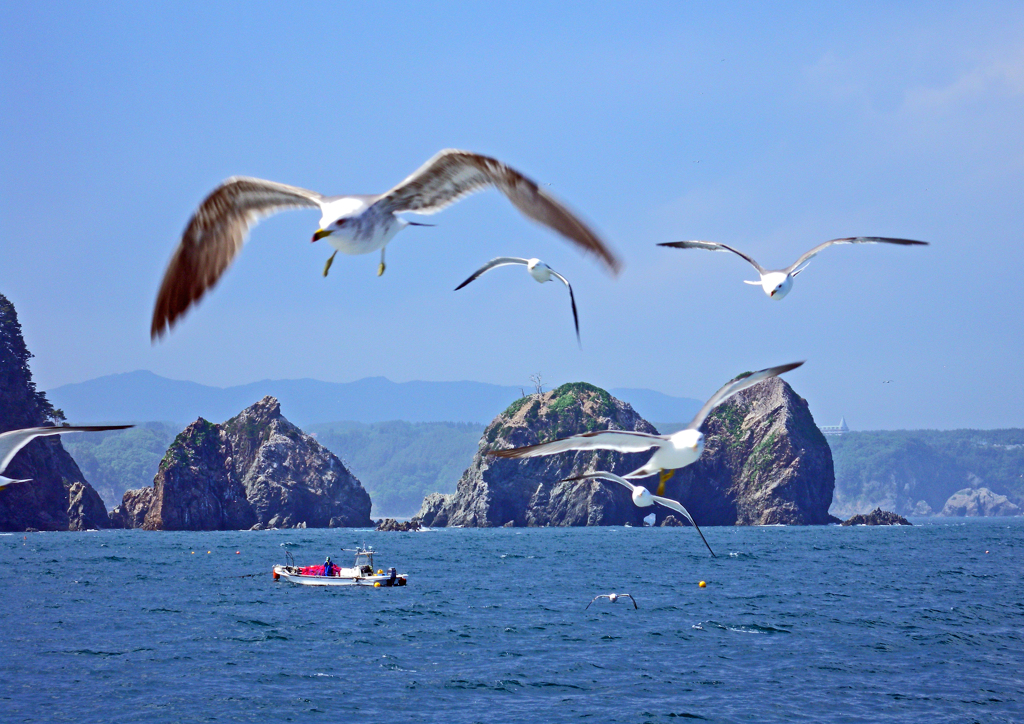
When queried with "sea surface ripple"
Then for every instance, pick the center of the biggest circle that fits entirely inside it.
(822, 624)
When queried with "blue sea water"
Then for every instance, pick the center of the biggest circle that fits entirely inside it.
(822, 624)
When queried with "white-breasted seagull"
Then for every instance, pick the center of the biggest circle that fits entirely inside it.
(539, 271)
(354, 224)
(776, 283)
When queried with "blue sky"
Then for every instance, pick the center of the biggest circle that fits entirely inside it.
(769, 127)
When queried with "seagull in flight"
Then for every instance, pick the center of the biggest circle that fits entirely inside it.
(613, 597)
(353, 224)
(14, 440)
(539, 271)
(643, 498)
(777, 283)
(671, 451)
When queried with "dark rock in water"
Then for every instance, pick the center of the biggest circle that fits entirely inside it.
(255, 469)
(978, 502)
(390, 524)
(58, 496)
(495, 492)
(765, 462)
(131, 513)
(670, 521)
(877, 517)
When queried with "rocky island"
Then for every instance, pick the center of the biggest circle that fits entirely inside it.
(257, 470)
(765, 462)
(495, 492)
(878, 517)
(58, 496)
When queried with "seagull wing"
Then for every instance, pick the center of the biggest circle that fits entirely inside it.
(602, 475)
(619, 440)
(626, 595)
(735, 386)
(851, 240)
(451, 174)
(595, 598)
(213, 238)
(678, 507)
(572, 299)
(713, 246)
(14, 440)
(493, 264)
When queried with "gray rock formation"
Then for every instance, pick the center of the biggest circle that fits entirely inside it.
(494, 492)
(765, 462)
(978, 502)
(58, 496)
(391, 525)
(255, 470)
(877, 517)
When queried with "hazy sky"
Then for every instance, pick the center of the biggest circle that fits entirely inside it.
(771, 127)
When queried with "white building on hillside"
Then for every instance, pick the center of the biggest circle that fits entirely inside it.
(840, 429)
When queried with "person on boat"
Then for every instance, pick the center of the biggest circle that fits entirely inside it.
(328, 566)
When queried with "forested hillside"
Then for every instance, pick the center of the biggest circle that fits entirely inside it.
(400, 463)
(914, 472)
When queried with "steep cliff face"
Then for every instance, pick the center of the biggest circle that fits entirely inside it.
(256, 469)
(495, 491)
(765, 462)
(58, 496)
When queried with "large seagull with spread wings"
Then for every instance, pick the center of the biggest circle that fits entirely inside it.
(671, 451)
(776, 283)
(353, 224)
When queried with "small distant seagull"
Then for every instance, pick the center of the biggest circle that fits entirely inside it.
(777, 283)
(539, 271)
(885, 382)
(613, 597)
(673, 451)
(355, 224)
(643, 498)
(14, 440)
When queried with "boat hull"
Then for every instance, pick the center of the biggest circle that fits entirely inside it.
(283, 573)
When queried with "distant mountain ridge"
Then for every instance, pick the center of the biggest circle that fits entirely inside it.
(145, 396)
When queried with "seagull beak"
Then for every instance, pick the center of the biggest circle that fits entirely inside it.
(320, 234)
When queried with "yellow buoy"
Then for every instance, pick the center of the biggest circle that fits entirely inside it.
(377, 584)
(380, 571)
(702, 584)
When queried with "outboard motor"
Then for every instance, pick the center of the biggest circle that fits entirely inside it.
(392, 575)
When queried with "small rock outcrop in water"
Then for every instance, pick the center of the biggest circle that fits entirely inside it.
(256, 469)
(765, 462)
(877, 517)
(391, 525)
(494, 492)
(58, 496)
(978, 502)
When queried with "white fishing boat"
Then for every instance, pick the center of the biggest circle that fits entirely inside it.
(360, 574)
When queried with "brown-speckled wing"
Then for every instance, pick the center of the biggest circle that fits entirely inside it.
(452, 174)
(213, 237)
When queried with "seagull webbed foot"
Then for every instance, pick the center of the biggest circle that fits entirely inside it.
(380, 269)
(665, 476)
(327, 266)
